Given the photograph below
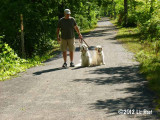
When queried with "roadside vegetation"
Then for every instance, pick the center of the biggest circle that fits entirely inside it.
(141, 35)
(11, 63)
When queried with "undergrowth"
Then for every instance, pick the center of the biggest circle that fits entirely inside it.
(11, 63)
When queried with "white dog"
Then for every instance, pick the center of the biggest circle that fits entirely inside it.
(85, 56)
(98, 58)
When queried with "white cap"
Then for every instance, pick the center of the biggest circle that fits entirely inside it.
(67, 11)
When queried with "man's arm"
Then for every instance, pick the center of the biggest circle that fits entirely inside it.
(58, 39)
(77, 30)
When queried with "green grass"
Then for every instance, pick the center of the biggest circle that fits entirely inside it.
(129, 37)
(145, 54)
(88, 30)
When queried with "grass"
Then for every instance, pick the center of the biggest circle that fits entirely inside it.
(145, 54)
(129, 37)
(88, 30)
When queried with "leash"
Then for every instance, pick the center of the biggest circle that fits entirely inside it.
(84, 42)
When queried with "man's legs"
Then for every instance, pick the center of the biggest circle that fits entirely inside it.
(64, 51)
(65, 56)
(71, 59)
(71, 45)
(65, 59)
(71, 56)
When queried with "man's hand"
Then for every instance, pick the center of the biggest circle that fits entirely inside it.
(77, 30)
(59, 40)
(80, 38)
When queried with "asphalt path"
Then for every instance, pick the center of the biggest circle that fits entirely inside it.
(114, 91)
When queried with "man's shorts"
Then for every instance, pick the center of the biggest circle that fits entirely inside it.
(68, 43)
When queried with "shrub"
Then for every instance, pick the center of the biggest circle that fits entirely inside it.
(10, 63)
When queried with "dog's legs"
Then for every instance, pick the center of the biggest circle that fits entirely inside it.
(103, 63)
(90, 61)
(82, 64)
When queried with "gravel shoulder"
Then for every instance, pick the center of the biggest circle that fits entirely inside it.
(49, 92)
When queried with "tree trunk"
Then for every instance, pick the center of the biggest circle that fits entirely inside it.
(112, 8)
(22, 37)
(125, 12)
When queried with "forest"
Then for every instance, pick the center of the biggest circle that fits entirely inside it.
(40, 18)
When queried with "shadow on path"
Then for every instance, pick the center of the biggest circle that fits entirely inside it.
(49, 70)
(140, 97)
(117, 75)
(99, 33)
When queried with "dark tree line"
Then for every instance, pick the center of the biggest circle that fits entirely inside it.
(41, 17)
(40, 21)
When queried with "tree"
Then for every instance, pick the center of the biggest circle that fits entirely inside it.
(125, 12)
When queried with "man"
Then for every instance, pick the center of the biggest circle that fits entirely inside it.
(67, 25)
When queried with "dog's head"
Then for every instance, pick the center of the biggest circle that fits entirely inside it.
(83, 48)
(98, 49)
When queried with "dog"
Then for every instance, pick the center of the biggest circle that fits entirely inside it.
(85, 56)
(98, 58)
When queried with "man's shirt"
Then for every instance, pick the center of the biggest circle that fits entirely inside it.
(67, 27)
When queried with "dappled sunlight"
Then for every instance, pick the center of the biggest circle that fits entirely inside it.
(140, 99)
(118, 75)
(133, 95)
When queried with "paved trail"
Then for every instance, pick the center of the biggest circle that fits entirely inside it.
(92, 93)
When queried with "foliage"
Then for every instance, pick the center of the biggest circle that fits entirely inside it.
(150, 29)
(138, 13)
(11, 64)
(40, 21)
(87, 16)
(150, 66)
(144, 14)
(39, 24)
